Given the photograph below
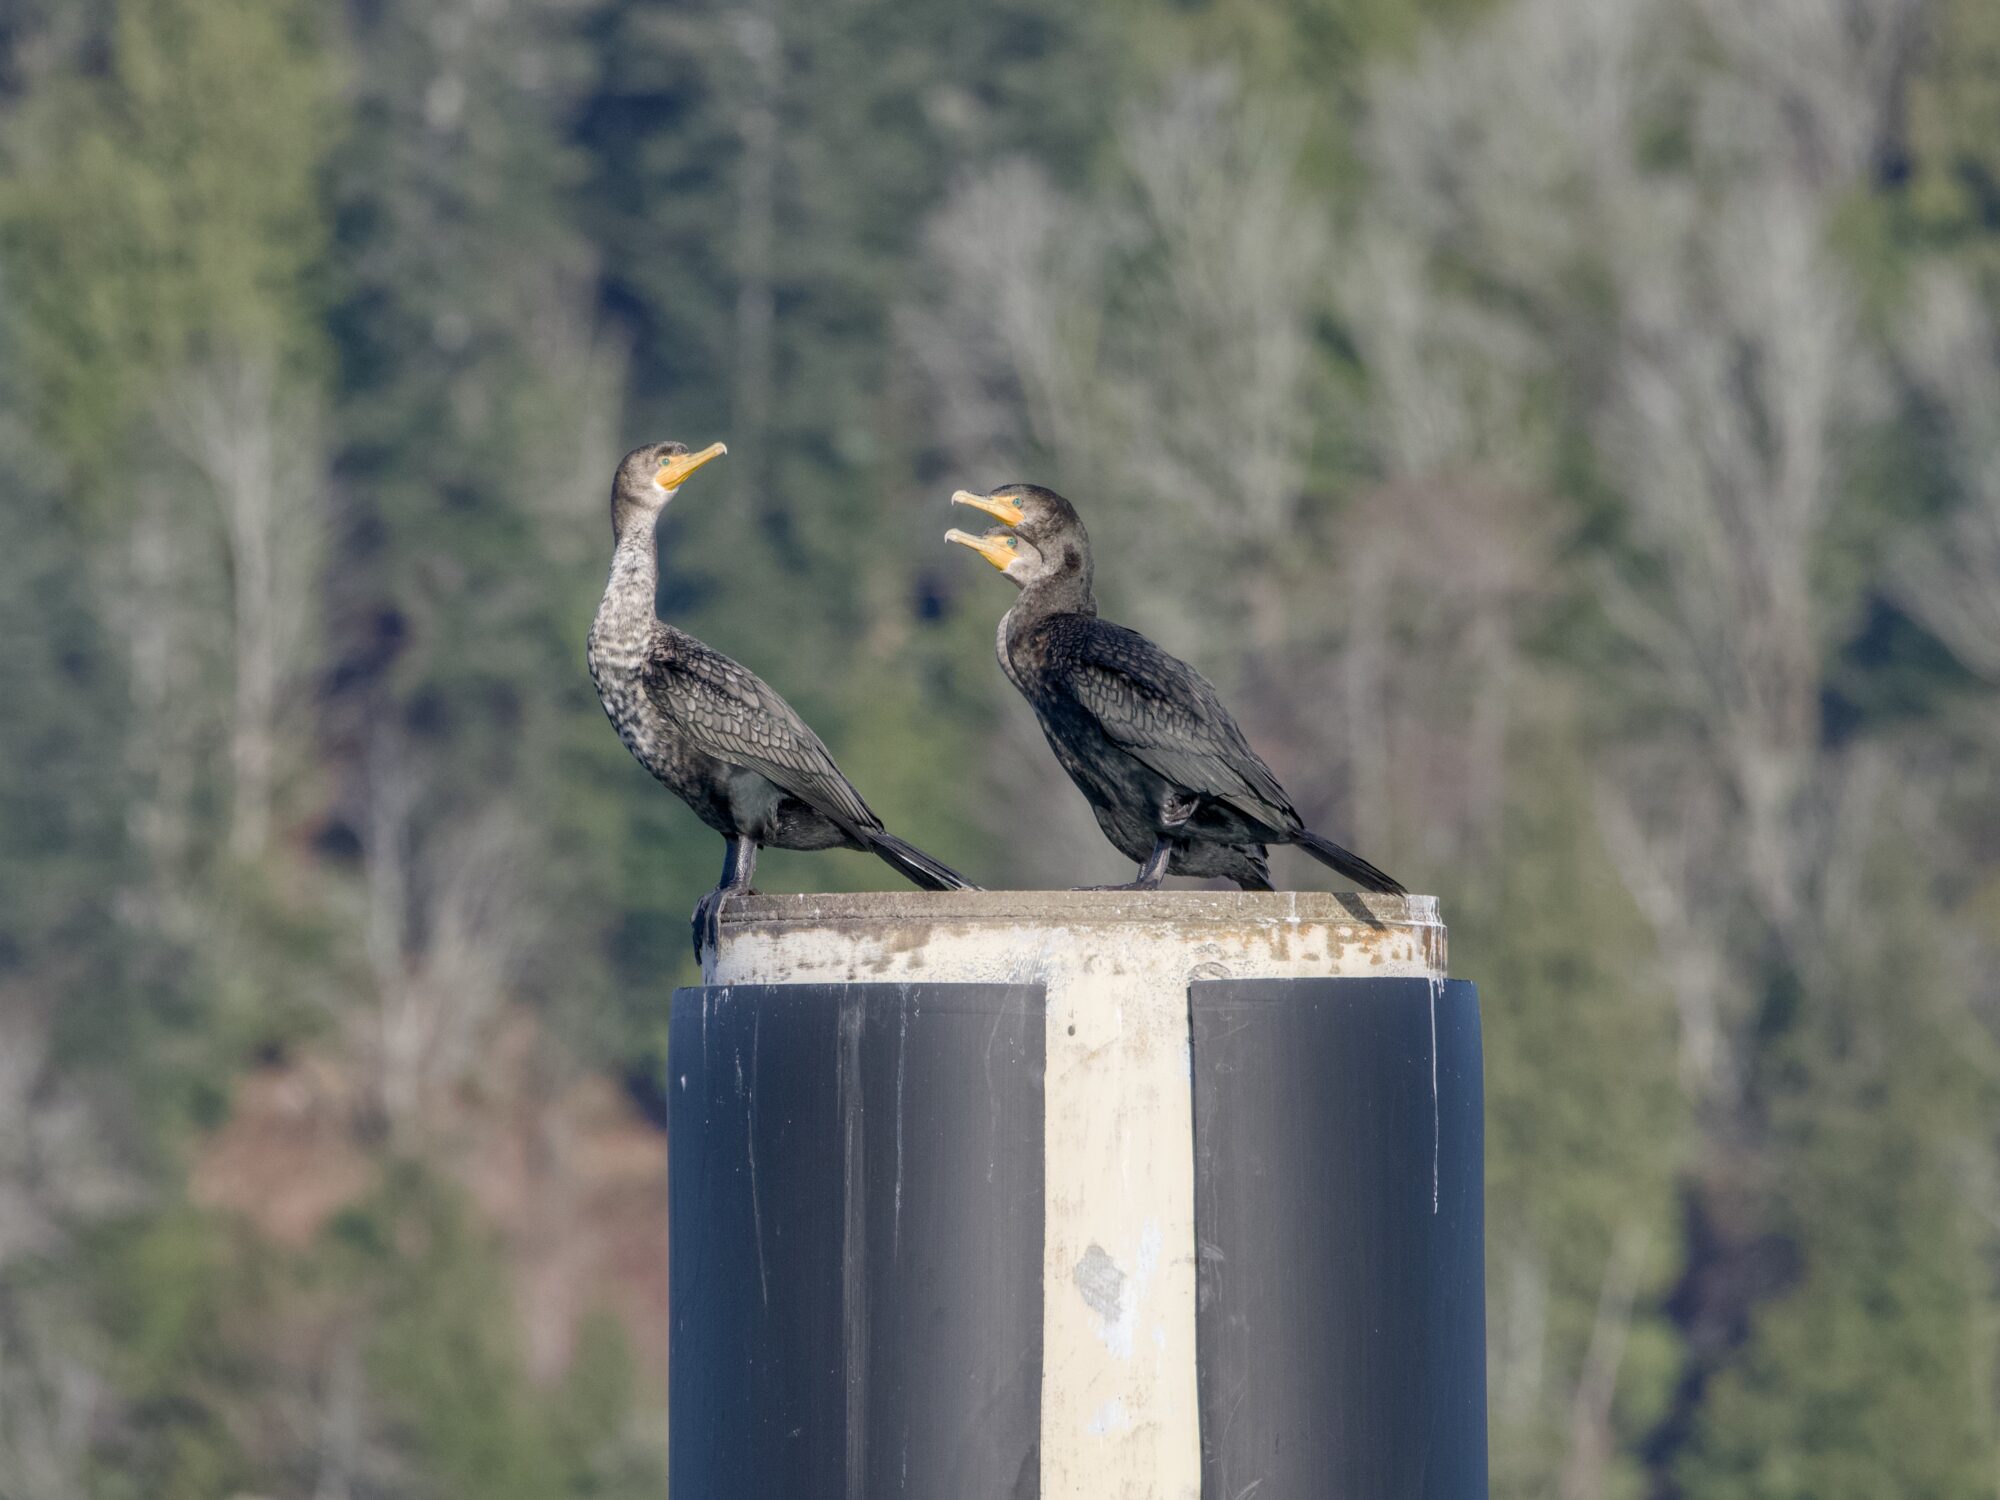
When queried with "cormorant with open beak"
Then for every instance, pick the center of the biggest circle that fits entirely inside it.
(712, 731)
(1144, 736)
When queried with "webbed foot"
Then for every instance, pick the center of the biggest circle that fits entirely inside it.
(1151, 873)
(708, 924)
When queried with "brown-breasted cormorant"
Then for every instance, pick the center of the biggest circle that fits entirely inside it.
(713, 731)
(1144, 736)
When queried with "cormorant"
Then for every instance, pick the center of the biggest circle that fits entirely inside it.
(713, 731)
(1170, 777)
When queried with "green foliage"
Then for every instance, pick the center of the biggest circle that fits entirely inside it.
(166, 1291)
(1954, 187)
(1872, 1374)
(202, 1322)
(448, 1374)
(167, 205)
(1587, 1134)
(1309, 45)
(61, 678)
(468, 565)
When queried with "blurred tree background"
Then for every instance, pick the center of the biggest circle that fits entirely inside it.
(1569, 430)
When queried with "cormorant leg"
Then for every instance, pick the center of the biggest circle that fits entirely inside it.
(1154, 870)
(1151, 873)
(738, 865)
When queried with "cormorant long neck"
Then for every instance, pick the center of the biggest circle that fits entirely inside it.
(1065, 589)
(623, 630)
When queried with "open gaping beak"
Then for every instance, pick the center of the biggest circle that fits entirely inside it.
(994, 547)
(1004, 511)
(676, 470)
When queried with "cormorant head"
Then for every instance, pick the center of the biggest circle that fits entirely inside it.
(647, 478)
(1042, 540)
(1036, 515)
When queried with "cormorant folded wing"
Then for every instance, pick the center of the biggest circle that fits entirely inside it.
(1167, 716)
(731, 713)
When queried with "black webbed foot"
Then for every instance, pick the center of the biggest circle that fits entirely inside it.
(708, 923)
(1151, 873)
(737, 868)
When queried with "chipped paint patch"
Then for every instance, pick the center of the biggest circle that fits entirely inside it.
(1113, 1296)
(1102, 1284)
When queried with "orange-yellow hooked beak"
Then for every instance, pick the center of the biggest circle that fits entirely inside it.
(675, 470)
(1004, 511)
(995, 548)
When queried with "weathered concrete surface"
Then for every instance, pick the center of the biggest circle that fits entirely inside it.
(1119, 1397)
(1026, 936)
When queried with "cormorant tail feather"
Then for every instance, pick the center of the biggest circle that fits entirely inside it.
(1348, 863)
(916, 866)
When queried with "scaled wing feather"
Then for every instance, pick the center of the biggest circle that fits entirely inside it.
(1166, 715)
(733, 714)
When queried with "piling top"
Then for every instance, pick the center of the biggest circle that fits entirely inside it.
(1035, 936)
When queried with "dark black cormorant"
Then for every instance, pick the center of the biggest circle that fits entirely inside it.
(711, 730)
(1173, 782)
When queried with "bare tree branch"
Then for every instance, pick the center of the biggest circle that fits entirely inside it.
(1593, 1440)
(448, 921)
(255, 443)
